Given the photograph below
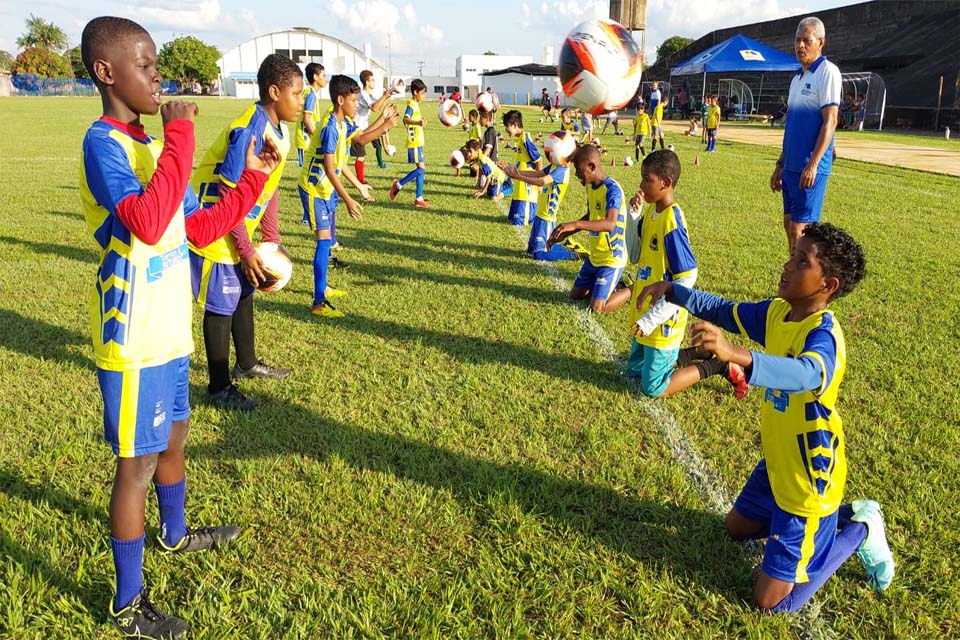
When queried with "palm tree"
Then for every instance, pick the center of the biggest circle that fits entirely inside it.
(41, 33)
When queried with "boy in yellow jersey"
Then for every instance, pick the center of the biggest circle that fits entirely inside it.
(474, 131)
(567, 122)
(523, 205)
(604, 222)
(491, 177)
(552, 182)
(793, 497)
(320, 186)
(641, 129)
(414, 122)
(713, 123)
(140, 209)
(226, 272)
(316, 80)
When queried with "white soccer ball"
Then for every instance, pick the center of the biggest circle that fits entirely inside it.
(277, 266)
(450, 113)
(627, 161)
(456, 159)
(391, 150)
(399, 86)
(484, 102)
(670, 147)
(559, 148)
(600, 66)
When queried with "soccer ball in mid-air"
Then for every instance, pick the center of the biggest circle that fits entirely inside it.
(559, 148)
(391, 150)
(450, 113)
(277, 266)
(600, 66)
(456, 159)
(484, 102)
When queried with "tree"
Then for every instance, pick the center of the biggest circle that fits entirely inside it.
(6, 60)
(42, 34)
(671, 46)
(75, 60)
(489, 53)
(43, 62)
(186, 59)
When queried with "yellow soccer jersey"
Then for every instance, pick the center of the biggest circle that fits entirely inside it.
(474, 132)
(713, 116)
(665, 254)
(801, 433)
(311, 109)
(331, 137)
(552, 195)
(570, 126)
(140, 304)
(489, 168)
(526, 156)
(641, 124)
(607, 248)
(224, 162)
(414, 131)
(657, 117)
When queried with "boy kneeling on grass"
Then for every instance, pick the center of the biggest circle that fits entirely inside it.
(793, 497)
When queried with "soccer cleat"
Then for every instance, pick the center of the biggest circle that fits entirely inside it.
(260, 370)
(337, 263)
(334, 293)
(394, 189)
(325, 310)
(230, 398)
(874, 553)
(382, 165)
(423, 204)
(735, 375)
(336, 246)
(202, 539)
(141, 619)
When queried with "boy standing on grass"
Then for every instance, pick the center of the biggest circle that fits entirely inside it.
(523, 205)
(793, 497)
(604, 221)
(414, 122)
(713, 123)
(226, 272)
(320, 186)
(489, 143)
(641, 129)
(138, 204)
(567, 123)
(316, 80)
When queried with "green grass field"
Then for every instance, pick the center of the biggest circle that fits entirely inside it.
(459, 457)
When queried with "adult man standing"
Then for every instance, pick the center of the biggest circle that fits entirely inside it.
(807, 155)
(367, 104)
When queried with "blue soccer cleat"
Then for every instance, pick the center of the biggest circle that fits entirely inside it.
(874, 552)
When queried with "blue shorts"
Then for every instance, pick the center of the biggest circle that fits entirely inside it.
(140, 405)
(803, 205)
(218, 287)
(522, 212)
(415, 155)
(712, 132)
(300, 157)
(318, 213)
(494, 189)
(797, 547)
(600, 281)
(540, 231)
(652, 366)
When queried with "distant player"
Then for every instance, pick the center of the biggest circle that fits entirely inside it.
(491, 178)
(693, 129)
(546, 106)
(523, 205)
(489, 142)
(793, 497)
(604, 222)
(320, 186)
(713, 123)
(367, 105)
(656, 118)
(414, 122)
(641, 129)
(568, 124)
(613, 119)
(316, 80)
(586, 126)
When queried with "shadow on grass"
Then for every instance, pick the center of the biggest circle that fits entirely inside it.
(64, 251)
(374, 236)
(38, 339)
(688, 543)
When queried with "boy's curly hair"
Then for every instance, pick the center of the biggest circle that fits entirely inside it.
(276, 70)
(840, 256)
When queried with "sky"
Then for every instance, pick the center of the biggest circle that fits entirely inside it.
(427, 34)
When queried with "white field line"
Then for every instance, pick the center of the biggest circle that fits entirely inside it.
(807, 623)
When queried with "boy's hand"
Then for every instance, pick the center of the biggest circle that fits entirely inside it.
(561, 232)
(655, 292)
(808, 176)
(267, 160)
(509, 169)
(478, 194)
(354, 208)
(177, 110)
(391, 116)
(709, 337)
(637, 200)
(364, 190)
(775, 179)
(253, 268)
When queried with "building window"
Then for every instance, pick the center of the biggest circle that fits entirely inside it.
(315, 53)
(298, 54)
(470, 70)
(438, 88)
(283, 52)
(451, 89)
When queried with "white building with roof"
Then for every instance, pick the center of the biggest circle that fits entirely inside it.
(524, 84)
(471, 68)
(238, 66)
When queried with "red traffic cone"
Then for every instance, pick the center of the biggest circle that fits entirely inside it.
(613, 162)
(696, 160)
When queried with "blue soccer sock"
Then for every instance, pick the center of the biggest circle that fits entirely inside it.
(410, 176)
(420, 176)
(320, 259)
(173, 520)
(556, 253)
(848, 540)
(128, 564)
(333, 227)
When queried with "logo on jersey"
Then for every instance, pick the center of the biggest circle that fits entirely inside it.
(654, 245)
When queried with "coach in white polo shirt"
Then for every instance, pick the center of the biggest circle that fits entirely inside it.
(367, 104)
(807, 155)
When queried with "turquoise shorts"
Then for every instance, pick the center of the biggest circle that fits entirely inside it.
(652, 366)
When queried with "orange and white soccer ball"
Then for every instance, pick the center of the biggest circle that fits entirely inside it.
(277, 266)
(484, 102)
(450, 113)
(559, 148)
(600, 66)
(456, 159)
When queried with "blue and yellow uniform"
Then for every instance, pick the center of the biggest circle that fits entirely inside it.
(523, 205)
(140, 309)
(713, 117)
(414, 133)
(491, 171)
(311, 109)
(570, 126)
(317, 194)
(218, 281)
(656, 115)
(602, 269)
(798, 485)
(641, 127)
(545, 221)
(475, 132)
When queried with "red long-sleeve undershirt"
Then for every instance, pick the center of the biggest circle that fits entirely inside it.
(269, 227)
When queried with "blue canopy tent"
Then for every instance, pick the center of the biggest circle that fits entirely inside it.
(737, 54)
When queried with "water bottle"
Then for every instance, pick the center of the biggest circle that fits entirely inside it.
(946, 132)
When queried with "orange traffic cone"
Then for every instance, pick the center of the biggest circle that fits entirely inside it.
(613, 162)
(696, 160)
